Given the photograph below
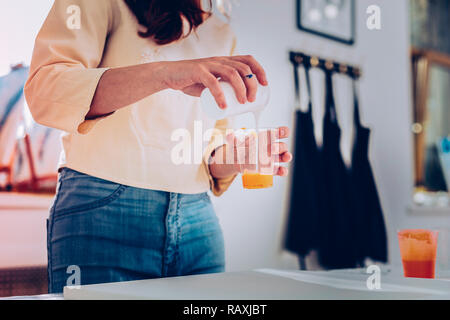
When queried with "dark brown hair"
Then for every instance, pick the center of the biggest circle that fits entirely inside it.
(163, 18)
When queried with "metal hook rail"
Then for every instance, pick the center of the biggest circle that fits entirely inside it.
(299, 58)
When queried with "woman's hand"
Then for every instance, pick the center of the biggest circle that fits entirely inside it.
(234, 157)
(193, 76)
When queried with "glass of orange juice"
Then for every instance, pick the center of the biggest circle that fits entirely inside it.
(257, 161)
(418, 250)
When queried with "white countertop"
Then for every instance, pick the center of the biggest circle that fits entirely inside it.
(266, 284)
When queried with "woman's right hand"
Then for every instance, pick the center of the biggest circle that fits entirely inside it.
(193, 76)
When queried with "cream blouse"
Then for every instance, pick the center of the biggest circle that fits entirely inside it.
(134, 145)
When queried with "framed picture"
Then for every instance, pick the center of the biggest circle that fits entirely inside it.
(332, 19)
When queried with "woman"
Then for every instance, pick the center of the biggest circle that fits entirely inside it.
(119, 77)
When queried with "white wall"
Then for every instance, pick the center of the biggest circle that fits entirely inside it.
(20, 21)
(253, 221)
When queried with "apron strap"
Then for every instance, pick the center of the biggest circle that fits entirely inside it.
(306, 67)
(296, 84)
(330, 107)
(356, 112)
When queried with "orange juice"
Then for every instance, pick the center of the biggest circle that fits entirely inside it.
(257, 181)
(418, 250)
(419, 269)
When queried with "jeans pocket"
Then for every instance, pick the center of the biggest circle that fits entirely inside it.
(79, 192)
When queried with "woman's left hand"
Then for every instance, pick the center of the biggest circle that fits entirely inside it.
(235, 149)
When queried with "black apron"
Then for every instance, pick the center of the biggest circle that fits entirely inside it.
(370, 230)
(336, 245)
(301, 234)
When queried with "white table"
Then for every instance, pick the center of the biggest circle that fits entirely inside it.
(266, 284)
(269, 284)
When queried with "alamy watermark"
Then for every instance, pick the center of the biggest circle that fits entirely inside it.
(374, 19)
(73, 22)
(246, 147)
(373, 282)
(74, 279)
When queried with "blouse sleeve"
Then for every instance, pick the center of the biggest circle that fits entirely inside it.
(64, 71)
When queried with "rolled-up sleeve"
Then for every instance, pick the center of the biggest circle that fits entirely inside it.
(64, 71)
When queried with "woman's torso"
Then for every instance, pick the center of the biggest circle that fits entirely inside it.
(134, 145)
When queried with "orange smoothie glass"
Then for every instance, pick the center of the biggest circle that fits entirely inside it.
(259, 164)
(418, 250)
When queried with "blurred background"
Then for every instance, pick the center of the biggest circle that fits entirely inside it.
(404, 59)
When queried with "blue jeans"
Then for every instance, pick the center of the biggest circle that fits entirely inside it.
(113, 232)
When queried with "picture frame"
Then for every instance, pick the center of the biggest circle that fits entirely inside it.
(331, 19)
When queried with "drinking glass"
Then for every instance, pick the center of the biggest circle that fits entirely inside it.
(418, 251)
(256, 158)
